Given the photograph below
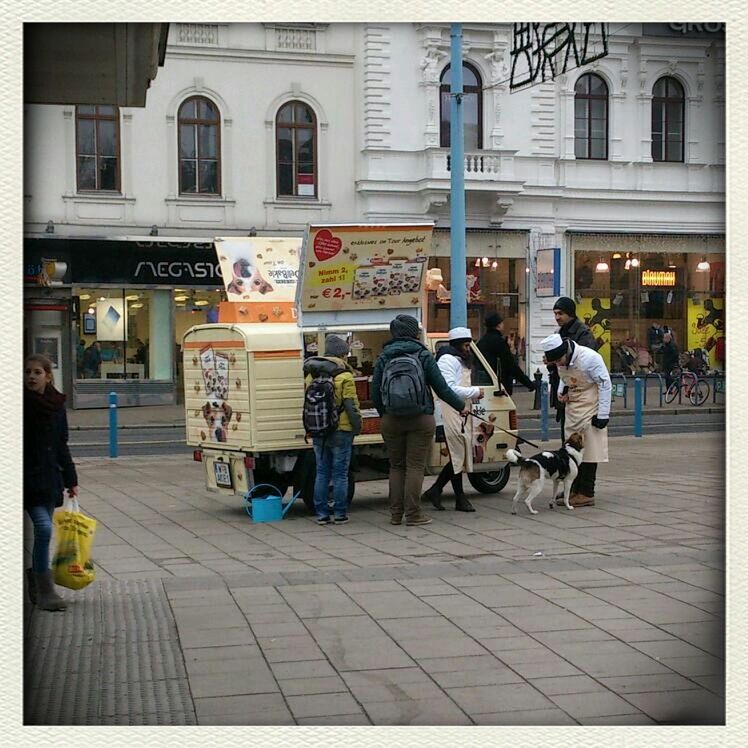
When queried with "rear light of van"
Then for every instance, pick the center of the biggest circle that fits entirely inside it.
(197, 455)
(512, 420)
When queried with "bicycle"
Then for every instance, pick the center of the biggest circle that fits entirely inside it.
(694, 387)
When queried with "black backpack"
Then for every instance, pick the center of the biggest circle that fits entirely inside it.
(404, 389)
(321, 415)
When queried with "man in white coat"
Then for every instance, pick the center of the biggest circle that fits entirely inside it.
(454, 362)
(585, 388)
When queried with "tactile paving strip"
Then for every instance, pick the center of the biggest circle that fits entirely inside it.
(112, 658)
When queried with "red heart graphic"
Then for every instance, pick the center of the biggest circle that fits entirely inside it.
(326, 246)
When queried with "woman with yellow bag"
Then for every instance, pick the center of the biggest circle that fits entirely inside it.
(47, 470)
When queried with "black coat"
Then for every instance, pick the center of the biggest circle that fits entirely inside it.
(579, 333)
(670, 357)
(496, 351)
(47, 465)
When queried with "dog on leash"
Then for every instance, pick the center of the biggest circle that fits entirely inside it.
(560, 465)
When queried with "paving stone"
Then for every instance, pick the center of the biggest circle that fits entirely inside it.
(534, 718)
(436, 711)
(338, 720)
(268, 717)
(497, 675)
(254, 704)
(322, 705)
(582, 706)
(302, 669)
(647, 683)
(430, 646)
(606, 665)
(499, 698)
(713, 683)
(699, 665)
(694, 707)
(554, 686)
(668, 648)
(233, 683)
(620, 720)
(192, 638)
(294, 654)
(458, 664)
(302, 686)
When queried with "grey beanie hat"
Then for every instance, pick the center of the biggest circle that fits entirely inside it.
(336, 346)
(566, 305)
(404, 326)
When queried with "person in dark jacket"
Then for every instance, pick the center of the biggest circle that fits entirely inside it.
(495, 348)
(408, 439)
(570, 328)
(670, 356)
(47, 470)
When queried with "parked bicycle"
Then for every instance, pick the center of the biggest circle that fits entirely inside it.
(695, 389)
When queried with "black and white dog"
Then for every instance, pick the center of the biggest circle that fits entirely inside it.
(561, 465)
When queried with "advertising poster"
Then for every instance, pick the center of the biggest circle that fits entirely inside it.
(111, 320)
(49, 346)
(706, 325)
(364, 267)
(595, 313)
(259, 268)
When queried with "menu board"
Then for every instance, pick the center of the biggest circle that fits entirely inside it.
(364, 267)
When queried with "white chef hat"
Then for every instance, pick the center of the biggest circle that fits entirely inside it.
(554, 347)
(459, 333)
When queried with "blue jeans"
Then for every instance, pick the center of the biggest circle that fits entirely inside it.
(333, 455)
(41, 517)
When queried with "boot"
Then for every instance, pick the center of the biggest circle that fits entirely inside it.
(31, 585)
(434, 494)
(461, 502)
(47, 598)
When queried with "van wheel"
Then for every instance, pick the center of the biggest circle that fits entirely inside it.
(491, 482)
(304, 474)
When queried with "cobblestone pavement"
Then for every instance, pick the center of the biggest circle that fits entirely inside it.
(607, 615)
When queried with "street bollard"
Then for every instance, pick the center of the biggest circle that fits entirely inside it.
(637, 407)
(538, 377)
(112, 424)
(544, 411)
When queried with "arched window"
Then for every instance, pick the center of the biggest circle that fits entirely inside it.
(97, 147)
(591, 117)
(296, 150)
(472, 106)
(668, 114)
(199, 147)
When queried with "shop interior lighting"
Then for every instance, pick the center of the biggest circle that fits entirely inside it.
(616, 255)
(602, 266)
(137, 305)
(485, 262)
(477, 262)
(91, 310)
(202, 302)
(102, 298)
(703, 266)
(634, 262)
(132, 297)
(627, 265)
(181, 298)
(84, 296)
(494, 265)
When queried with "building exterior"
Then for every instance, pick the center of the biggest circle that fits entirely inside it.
(606, 184)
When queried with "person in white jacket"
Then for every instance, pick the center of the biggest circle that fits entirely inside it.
(585, 388)
(454, 362)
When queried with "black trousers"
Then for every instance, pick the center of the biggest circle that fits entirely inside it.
(585, 480)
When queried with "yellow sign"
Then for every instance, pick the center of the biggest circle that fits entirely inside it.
(364, 267)
(595, 313)
(706, 325)
(658, 277)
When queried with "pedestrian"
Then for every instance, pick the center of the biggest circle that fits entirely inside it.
(565, 312)
(497, 351)
(92, 361)
(455, 363)
(670, 357)
(404, 375)
(333, 450)
(585, 389)
(48, 469)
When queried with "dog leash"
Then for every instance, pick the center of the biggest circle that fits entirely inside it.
(520, 439)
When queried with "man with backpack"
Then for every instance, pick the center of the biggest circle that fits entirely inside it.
(404, 375)
(332, 417)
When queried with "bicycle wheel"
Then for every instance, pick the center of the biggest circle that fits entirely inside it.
(672, 392)
(699, 392)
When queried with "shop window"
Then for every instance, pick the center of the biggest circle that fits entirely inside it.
(591, 117)
(199, 147)
(472, 107)
(97, 150)
(296, 150)
(668, 115)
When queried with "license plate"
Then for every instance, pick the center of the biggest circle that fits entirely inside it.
(222, 471)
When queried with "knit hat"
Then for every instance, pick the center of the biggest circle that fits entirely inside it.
(566, 305)
(459, 333)
(404, 326)
(554, 347)
(336, 346)
(493, 320)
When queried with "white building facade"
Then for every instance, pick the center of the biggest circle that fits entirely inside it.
(264, 128)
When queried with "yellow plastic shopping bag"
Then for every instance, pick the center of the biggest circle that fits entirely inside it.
(72, 564)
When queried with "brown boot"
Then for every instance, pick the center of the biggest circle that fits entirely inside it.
(579, 499)
(46, 597)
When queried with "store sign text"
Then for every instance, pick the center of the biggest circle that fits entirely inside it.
(181, 269)
(658, 277)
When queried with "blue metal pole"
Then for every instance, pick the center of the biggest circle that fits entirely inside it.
(638, 407)
(544, 411)
(458, 306)
(113, 424)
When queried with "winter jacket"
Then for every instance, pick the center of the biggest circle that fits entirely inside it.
(496, 351)
(433, 376)
(579, 333)
(346, 398)
(47, 465)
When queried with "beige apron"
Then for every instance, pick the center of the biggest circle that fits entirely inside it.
(458, 443)
(580, 409)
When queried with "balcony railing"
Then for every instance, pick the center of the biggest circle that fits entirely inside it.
(478, 163)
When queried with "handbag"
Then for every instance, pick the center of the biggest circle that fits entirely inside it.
(72, 564)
